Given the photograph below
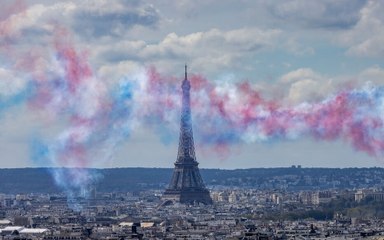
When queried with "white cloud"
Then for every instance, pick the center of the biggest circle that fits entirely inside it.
(113, 72)
(96, 19)
(367, 37)
(327, 14)
(211, 42)
(36, 16)
(305, 85)
(9, 83)
(374, 75)
(299, 74)
(89, 19)
(208, 51)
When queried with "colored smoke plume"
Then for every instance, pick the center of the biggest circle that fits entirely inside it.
(99, 117)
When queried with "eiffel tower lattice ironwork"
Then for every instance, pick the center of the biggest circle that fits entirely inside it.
(186, 185)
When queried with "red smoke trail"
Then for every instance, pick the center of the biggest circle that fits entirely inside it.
(236, 113)
(76, 65)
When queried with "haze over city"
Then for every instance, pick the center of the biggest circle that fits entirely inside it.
(274, 83)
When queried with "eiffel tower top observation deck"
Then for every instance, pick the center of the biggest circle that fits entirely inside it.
(186, 185)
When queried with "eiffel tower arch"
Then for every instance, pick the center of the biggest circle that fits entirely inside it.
(186, 184)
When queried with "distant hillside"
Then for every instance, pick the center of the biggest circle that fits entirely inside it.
(39, 180)
(26, 180)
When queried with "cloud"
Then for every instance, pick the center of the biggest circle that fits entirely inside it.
(89, 19)
(367, 36)
(305, 85)
(35, 22)
(10, 84)
(326, 14)
(112, 73)
(106, 18)
(209, 50)
(374, 75)
(299, 74)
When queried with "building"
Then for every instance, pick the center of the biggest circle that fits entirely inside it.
(320, 197)
(366, 193)
(186, 185)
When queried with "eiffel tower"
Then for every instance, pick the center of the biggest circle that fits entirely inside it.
(186, 185)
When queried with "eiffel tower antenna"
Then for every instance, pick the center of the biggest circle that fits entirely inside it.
(185, 72)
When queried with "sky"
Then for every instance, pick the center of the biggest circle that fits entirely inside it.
(274, 83)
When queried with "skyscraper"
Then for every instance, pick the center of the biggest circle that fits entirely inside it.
(186, 185)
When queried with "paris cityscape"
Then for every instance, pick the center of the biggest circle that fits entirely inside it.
(185, 119)
(284, 203)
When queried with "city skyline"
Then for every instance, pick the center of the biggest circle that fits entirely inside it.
(118, 58)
